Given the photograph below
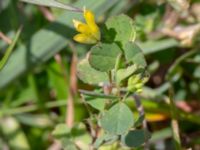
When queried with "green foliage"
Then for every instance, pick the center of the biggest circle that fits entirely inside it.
(35, 120)
(103, 56)
(61, 130)
(90, 75)
(10, 49)
(9, 127)
(133, 54)
(55, 35)
(139, 121)
(95, 102)
(69, 136)
(57, 82)
(52, 3)
(135, 138)
(120, 29)
(125, 73)
(136, 82)
(123, 62)
(67, 144)
(107, 138)
(151, 47)
(118, 119)
(38, 92)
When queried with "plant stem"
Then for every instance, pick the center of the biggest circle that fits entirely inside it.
(117, 65)
(125, 96)
(85, 92)
(174, 122)
(140, 109)
(69, 119)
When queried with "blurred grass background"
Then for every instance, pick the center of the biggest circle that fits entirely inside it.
(38, 82)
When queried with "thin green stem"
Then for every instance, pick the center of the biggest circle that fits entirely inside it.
(98, 94)
(10, 49)
(117, 65)
(126, 96)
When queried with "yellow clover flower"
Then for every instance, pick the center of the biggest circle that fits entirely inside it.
(89, 31)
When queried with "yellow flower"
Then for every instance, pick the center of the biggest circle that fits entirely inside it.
(89, 31)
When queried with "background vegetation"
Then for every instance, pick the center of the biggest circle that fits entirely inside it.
(39, 87)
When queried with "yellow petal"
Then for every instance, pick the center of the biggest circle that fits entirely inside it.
(76, 23)
(83, 28)
(96, 33)
(83, 38)
(89, 17)
(90, 20)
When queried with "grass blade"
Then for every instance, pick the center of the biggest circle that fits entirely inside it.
(10, 49)
(53, 3)
(155, 46)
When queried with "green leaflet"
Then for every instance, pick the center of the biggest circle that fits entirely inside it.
(118, 119)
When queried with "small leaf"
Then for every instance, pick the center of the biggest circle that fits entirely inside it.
(120, 29)
(104, 139)
(133, 54)
(135, 138)
(79, 132)
(89, 75)
(118, 119)
(97, 103)
(61, 130)
(103, 56)
(125, 73)
(68, 144)
(99, 141)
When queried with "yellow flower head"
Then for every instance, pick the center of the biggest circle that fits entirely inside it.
(89, 31)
